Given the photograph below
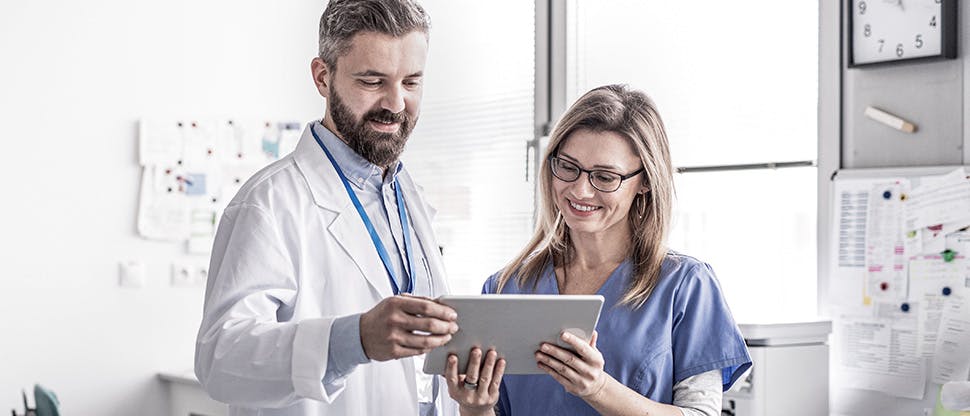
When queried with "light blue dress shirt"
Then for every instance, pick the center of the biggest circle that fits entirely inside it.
(376, 194)
(683, 329)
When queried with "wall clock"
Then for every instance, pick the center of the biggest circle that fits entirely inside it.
(890, 31)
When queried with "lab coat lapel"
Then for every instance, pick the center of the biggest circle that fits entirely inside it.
(347, 228)
(349, 231)
(421, 215)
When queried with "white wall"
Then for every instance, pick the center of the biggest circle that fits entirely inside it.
(74, 79)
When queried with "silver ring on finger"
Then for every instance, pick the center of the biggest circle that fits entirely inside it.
(469, 385)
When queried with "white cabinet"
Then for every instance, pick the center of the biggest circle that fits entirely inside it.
(789, 374)
(187, 398)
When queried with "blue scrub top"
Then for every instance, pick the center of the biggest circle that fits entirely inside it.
(683, 329)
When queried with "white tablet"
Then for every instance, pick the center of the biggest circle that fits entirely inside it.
(515, 326)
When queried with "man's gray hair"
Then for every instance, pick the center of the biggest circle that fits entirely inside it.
(345, 18)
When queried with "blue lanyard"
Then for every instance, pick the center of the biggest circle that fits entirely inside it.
(402, 213)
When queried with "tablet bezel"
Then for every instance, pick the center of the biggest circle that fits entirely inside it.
(487, 321)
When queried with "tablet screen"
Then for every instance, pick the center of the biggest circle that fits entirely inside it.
(514, 326)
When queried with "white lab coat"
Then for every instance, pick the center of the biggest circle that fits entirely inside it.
(292, 254)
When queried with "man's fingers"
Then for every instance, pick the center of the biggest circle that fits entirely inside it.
(423, 342)
(429, 325)
(427, 308)
(401, 351)
(411, 295)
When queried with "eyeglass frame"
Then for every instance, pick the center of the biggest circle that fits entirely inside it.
(589, 173)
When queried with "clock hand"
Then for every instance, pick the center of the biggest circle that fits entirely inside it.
(896, 2)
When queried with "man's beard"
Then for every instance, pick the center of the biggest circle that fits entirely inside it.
(381, 149)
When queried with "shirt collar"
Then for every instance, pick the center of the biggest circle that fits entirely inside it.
(358, 170)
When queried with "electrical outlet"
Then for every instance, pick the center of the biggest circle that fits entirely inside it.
(187, 274)
(131, 274)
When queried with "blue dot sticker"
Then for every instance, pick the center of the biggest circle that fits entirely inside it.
(904, 307)
(887, 195)
(947, 291)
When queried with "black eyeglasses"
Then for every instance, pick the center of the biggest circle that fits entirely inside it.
(602, 180)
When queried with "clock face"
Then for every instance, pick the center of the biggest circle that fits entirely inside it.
(893, 30)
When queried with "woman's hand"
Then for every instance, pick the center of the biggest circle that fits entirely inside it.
(477, 390)
(581, 373)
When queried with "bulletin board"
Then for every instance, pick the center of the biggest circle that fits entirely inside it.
(192, 168)
(898, 283)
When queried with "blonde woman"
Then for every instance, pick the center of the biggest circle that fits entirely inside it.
(666, 343)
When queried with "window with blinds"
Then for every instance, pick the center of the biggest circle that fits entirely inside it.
(468, 150)
(735, 85)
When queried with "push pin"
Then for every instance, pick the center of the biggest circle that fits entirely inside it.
(946, 291)
(887, 195)
(884, 286)
(948, 255)
(904, 307)
(902, 197)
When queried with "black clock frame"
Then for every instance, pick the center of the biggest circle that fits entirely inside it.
(948, 41)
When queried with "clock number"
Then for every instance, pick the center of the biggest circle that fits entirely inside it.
(919, 41)
(899, 50)
(933, 21)
(881, 42)
(867, 31)
(862, 7)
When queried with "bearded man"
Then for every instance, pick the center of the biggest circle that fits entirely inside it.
(324, 264)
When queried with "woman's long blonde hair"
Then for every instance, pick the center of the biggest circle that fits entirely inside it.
(631, 114)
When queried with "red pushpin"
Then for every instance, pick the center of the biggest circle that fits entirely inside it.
(239, 155)
(168, 171)
(194, 125)
(209, 152)
(884, 286)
